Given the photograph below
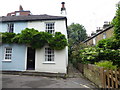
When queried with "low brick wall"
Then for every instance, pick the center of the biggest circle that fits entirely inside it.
(103, 78)
(93, 73)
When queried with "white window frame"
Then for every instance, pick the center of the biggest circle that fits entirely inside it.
(49, 55)
(8, 54)
(10, 27)
(50, 27)
(94, 41)
(104, 35)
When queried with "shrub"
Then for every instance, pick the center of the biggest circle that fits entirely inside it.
(109, 43)
(106, 64)
(95, 54)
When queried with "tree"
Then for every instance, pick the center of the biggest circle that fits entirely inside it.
(116, 23)
(76, 34)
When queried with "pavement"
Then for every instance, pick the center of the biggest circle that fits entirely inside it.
(74, 79)
(18, 81)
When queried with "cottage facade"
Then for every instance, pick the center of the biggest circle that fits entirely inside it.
(18, 57)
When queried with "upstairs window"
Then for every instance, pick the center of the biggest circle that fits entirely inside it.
(8, 53)
(104, 35)
(11, 27)
(49, 55)
(50, 28)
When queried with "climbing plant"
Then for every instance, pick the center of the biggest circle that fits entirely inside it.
(36, 39)
(58, 42)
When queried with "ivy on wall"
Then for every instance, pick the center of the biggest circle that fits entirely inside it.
(36, 39)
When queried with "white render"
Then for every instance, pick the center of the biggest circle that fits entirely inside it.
(61, 56)
(58, 66)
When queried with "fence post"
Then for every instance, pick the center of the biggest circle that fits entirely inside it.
(102, 77)
(112, 79)
(116, 80)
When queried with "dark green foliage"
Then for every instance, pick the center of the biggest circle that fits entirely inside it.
(40, 39)
(76, 34)
(26, 35)
(58, 42)
(116, 23)
(109, 43)
(36, 39)
(16, 38)
(95, 54)
(6, 37)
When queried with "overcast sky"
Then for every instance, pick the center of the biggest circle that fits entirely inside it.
(89, 13)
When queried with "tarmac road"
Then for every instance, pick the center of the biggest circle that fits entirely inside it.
(18, 81)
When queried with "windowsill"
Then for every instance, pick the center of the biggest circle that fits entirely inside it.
(48, 62)
(6, 60)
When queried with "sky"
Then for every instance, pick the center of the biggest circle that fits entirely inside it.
(89, 13)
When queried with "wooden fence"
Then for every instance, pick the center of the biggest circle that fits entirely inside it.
(111, 78)
(104, 78)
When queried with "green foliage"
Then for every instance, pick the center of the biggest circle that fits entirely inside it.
(36, 39)
(40, 39)
(76, 34)
(16, 38)
(109, 43)
(6, 37)
(58, 42)
(89, 55)
(26, 35)
(116, 23)
(106, 64)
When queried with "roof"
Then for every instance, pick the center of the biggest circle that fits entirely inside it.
(98, 33)
(30, 18)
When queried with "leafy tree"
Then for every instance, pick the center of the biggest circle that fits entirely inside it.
(116, 23)
(76, 34)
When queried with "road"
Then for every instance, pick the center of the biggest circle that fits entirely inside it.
(18, 81)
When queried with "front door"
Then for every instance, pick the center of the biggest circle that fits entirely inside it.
(30, 59)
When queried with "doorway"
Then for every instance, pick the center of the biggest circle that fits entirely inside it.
(30, 58)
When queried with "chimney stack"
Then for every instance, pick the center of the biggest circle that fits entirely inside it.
(20, 8)
(99, 29)
(63, 9)
(106, 24)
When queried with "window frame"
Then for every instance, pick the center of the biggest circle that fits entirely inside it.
(9, 53)
(50, 27)
(10, 27)
(104, 35)
(49, 54)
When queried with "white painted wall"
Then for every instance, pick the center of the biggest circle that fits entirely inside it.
(61, 56)
(58, 66)
(60, 25)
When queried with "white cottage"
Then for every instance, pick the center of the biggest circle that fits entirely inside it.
(24, 58)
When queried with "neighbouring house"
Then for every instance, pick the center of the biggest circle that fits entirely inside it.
(101, 33)
(19, 57)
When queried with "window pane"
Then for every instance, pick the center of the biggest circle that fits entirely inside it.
(8, 53)
(50, 27)
(49, 54)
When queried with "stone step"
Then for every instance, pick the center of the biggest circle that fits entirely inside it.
(33, 73)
